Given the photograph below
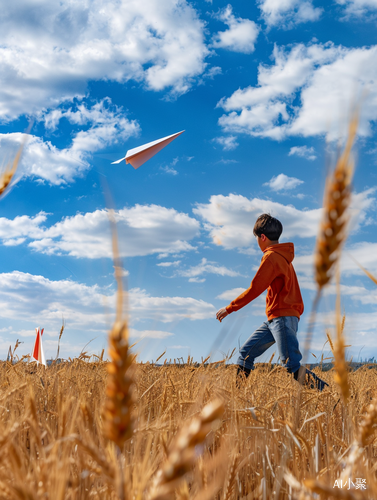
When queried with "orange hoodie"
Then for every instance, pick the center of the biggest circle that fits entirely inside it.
(277, 275)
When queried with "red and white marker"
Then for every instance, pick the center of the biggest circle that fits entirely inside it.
(38, 353)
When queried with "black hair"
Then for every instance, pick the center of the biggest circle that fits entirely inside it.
(269, 226)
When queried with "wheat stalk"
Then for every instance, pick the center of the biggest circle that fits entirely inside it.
(340, 365)
(60, 336)
(330, 341)
(118, 423)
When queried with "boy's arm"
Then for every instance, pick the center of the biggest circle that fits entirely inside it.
(261, 281)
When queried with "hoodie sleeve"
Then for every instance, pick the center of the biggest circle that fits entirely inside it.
(261, 281)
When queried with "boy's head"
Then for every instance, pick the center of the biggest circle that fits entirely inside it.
(267, 230)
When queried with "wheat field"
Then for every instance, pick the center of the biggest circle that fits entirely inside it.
(52, 443)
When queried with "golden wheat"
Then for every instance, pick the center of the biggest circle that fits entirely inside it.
(58, 428)
(332, 233)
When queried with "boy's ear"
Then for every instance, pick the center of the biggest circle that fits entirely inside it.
(263, 237)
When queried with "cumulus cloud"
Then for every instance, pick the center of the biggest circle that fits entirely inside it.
(142, 229)
(61, 47)
(106, 124)
(206, 267)
(287, 13)
(230, 219)
(363, 252)
(282, 182)
(322, 78)
(240, 36)
(228, 143)
(303, 152)
(27, 299)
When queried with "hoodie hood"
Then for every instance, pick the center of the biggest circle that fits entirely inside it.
(286, 250)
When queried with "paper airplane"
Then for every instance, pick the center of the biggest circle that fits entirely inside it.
(140, 155)
(38, 353)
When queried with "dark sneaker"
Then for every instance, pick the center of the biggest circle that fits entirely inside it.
(310, 379)
(314, 381)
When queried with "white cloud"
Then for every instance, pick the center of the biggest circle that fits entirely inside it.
(231, 294)
(142, 230)
(206, 267)
(150, 334)
(357, 293)
(230, 219)
(241, 35)
(303, 152)
(287, 13)
(283, 183)
(62, 46)
(358, 7)
(212, 72)
(169, 264)
(167, 309)
(363, 252)
(21, 227)
(323, 78)
(228, 143)
(169, 170)
(197, 280)
(30, 298)
(44, 161)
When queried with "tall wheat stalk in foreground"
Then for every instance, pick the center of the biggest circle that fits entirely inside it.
(330, 241)
(118, 421)
(332, 232)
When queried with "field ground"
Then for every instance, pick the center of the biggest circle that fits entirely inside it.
(274, 440)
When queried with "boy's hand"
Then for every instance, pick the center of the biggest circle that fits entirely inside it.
(221, 314)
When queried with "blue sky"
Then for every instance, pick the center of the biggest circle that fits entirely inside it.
(263, 91)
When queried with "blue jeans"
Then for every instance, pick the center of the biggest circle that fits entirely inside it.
(283, 331)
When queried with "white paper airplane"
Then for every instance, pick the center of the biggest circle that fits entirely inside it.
(140, 155)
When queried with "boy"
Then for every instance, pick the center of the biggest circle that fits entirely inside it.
(284, 304)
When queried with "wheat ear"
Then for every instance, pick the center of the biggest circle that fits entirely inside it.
(182, 455)
(332, 233)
